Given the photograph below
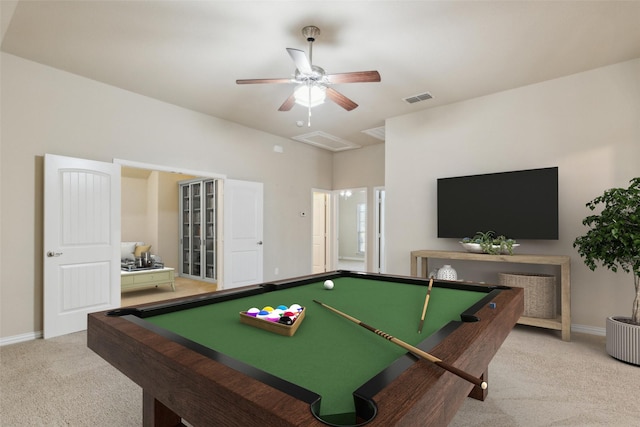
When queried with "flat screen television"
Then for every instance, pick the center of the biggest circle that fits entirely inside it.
(518, 204)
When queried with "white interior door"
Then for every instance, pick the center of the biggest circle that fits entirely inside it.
(243, 233)
(321, 227)
(81, 241)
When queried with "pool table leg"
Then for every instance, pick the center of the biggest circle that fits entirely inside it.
(155, 414)
(477, 392)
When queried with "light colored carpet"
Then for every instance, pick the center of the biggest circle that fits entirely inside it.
(535, 380)
(60, 382)
(538, 380)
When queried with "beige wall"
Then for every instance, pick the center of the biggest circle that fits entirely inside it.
(587, 124)
(45, 110)
(134, 194)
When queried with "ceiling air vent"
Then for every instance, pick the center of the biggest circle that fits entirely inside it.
(377, 133)
(417, 98)
(326, 141)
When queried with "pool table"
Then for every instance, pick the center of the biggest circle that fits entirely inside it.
(196, 361)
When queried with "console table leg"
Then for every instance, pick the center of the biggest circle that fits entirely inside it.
(565, 300)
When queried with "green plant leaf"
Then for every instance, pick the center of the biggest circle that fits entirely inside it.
(613, 238)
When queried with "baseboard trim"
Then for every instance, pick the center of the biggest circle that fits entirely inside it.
(30, 336)
(591, 330)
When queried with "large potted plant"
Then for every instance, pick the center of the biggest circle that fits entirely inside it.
(613, 240)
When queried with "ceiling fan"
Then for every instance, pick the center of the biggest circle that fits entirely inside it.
(313, 83)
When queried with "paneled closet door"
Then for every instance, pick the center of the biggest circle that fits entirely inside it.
(198, 229)
(209, 216)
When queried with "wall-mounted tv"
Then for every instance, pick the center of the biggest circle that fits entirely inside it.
(518, 204)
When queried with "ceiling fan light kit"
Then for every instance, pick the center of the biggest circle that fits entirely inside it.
(310, 95)
(313, 82)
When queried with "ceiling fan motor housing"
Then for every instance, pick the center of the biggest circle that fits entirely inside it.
(310, 32)
(317, 75)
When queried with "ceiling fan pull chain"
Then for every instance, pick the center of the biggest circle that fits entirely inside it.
(309, 107)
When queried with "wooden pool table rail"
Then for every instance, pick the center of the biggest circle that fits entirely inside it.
(180, 383)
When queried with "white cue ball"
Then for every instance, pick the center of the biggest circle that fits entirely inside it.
(328, 284)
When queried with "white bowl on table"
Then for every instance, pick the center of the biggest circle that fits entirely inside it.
(476, 248)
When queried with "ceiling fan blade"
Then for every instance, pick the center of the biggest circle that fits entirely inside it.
(288, 103)
(255, 81)
(302, 62)
(355, 77)
(340, 99)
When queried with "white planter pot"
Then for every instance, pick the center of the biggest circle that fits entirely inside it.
(623, 340)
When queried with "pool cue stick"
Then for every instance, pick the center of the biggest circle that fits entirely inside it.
(423, 354)
(426, 303)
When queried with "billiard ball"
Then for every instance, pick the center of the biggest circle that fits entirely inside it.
(285, 320)
(272, 317)
(253, 311)
(328, 284)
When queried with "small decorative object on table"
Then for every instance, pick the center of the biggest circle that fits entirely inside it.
(447, 273)
(489, 243)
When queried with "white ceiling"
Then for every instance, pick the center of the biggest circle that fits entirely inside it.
(189, 53)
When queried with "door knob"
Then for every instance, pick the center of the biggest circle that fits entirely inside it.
(260, 242)
(52, 254)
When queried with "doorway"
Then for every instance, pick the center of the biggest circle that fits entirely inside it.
(150, 212)
(351, 225)
(87, 185)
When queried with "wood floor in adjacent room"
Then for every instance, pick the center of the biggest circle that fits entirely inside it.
(184, 288)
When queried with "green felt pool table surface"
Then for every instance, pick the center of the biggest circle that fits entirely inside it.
(328, 355)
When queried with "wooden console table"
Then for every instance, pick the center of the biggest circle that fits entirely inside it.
(562, 322)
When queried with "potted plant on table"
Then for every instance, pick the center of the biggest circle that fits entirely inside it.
(488, 243)
(613, 240)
